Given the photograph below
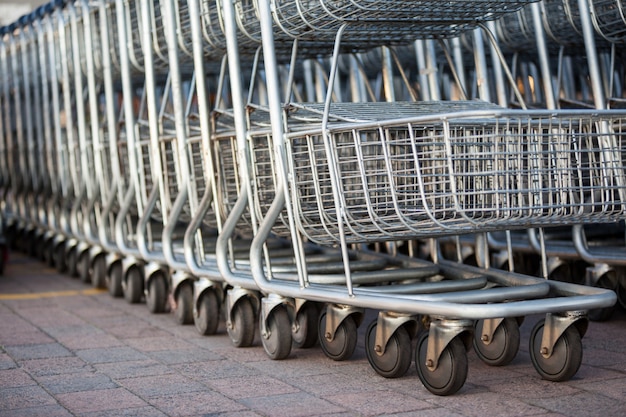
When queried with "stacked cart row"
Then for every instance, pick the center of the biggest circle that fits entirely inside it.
(287, 165)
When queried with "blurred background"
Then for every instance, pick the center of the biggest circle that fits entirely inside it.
(11, 10)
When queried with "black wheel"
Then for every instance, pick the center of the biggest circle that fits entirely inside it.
(207, 319)
(115, 280)
(503, 347)
(451, 372)
(277, 341)
(48, 253)
(156, 298)
(134, 286)
(72, 263)
(59, 258)
(83, 267)
(607, 281)
(397, 357)
(37, 248)
(342, 346)
(99, 274)
(184, 304)
(241, 328)
(304, 330)
(566, 357)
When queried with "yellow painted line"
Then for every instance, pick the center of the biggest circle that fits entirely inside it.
(51, 294)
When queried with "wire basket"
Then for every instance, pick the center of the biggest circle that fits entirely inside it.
(451, 168)
(609, 19)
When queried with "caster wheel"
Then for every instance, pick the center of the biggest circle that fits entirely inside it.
(304, 330)
(37, 248)
(277, 341)
(504, 345)
(241, 328)
(566, 356)
(342, 346)
(397, 357)
(207, 318)
(610, 282)
(98, 277)
(115, 281)
(184, 304)
(59, 258)
(72, 263)
(156, 298)
(83, 268)
(451, 372)
(48, 253)
(134, 286)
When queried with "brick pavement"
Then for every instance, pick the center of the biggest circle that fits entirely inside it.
(79, 352)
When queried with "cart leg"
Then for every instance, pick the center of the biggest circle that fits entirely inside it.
(242, 306)
(338, 330)
(388, 343)
(275, 326)
(602, 276)
(208, 296)
(441, 356)
(556, 345)
(156, 287)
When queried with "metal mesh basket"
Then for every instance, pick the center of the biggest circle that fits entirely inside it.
(459, 168)
(134, 33)
(609, 19)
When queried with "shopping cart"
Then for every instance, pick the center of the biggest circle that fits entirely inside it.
(365, 208)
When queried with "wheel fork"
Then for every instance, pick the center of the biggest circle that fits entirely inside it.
(556, 324)
(441, 333)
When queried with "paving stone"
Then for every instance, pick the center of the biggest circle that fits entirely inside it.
(6, 362)
(612, 388)
(11, 323)
(251, 386)
(430, 412)
(61, 384)
(74, 330)
(129, 369)
(291, 405)
(24, 397)
(582, 404)
(55, 366)
(246, 413)
(295, 367)
(130, 330)
(178, 356)
(475, 403)
(371, 403)
(152, 386)
(147, 411)
(100, 400)
(328, 384)
(114, 354)
(11, 378)
(44, 411)
(92, 341)
(29, 337)
(203, 371)
(38, 351)
(157, 344)
(195, 404)
(47, 316)
(524, 387)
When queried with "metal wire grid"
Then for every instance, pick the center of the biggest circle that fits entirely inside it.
(609, 19)
(454, 174)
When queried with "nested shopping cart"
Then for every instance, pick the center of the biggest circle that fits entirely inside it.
(224, 190)
(345, 176)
